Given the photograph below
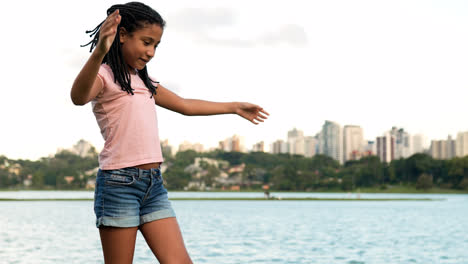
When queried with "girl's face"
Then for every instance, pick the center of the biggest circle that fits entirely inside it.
(138, 47)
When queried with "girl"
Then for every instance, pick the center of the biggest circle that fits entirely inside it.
(129, 194)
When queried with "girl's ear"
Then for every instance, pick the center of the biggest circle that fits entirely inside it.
(123, 34)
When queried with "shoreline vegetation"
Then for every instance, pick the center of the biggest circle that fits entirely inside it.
(246, 172)
(242, 199)
(389, 190)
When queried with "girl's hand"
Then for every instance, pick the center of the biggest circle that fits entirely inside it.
(107, 32)
(251, 112)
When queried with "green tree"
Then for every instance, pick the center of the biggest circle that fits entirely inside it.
(416, 165)
(457, 170)
(176, 178)
(424, 181)
(185, 158)
(369, 172)
(464, 184)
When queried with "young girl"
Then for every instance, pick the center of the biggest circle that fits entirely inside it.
(129, 194)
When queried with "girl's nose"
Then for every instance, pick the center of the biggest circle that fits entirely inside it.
(150, 53)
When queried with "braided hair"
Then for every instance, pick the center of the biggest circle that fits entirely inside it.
(134, 16)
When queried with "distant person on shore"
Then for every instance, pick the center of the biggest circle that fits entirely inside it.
(129, 194)
(266, 192)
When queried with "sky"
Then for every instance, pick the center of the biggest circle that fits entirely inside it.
(371, 63)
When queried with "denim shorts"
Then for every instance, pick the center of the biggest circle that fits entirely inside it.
(130, 197)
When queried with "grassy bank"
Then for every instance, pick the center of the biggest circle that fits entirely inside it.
(409, 189)
(245, 199)
(388, 189)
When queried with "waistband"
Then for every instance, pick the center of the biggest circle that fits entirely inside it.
(140, 172)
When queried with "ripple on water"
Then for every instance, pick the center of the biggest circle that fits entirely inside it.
(277, 260)
(230, 233)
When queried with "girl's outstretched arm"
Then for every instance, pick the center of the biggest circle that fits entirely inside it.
(173, 102)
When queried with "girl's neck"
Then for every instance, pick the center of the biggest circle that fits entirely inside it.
(131, 70)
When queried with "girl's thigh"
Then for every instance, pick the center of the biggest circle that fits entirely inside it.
(118, 244)
(165, 240)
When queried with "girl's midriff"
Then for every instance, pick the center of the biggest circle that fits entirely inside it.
(148, 166)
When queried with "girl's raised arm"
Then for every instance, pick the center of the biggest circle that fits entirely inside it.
(86, 85)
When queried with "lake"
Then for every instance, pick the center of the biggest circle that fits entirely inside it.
(348, 232)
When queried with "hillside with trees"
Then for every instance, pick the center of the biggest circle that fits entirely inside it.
(219, 170)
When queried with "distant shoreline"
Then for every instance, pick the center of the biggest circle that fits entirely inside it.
(390, 190)
(242, 199)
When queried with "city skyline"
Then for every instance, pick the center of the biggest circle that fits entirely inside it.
(294, 132)
(371, 63)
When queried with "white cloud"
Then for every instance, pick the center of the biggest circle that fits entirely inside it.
(372, 63)
(221, 27)
(196, 20)
(289, 34)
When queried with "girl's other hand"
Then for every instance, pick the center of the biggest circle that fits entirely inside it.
(251, 112)
(107, 32)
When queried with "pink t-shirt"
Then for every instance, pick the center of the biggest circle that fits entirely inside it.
(128, 123)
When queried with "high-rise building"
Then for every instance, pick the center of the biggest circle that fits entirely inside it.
(82, 148)
(370, 148)
(222, 145)
(310, 144)
(461, 144)
(443, 149)
(451, 147)
(189, 146)
(438, 149)
(418, 143)
(295, 133)
(331, 141)
(279, 146)
(234, 143)
(296, 144)
(352, 142)
(403, 143)
(386, 147)
(258, 147)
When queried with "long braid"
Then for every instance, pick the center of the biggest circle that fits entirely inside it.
(134, 16)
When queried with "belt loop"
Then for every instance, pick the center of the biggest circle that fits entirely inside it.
(140, 173)
(154, 172)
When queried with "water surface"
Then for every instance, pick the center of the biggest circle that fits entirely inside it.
(253, 231)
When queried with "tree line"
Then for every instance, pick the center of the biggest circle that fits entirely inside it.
(283, 172)
(48, 172)
(287, 172)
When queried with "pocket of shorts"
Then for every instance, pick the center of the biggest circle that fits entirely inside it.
(116, 179)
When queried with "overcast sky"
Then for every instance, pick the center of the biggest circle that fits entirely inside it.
(372, 63)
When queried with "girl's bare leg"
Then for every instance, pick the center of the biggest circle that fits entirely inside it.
(165, 240)
(118, 244)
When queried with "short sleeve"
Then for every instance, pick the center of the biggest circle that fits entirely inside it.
(105, 75)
